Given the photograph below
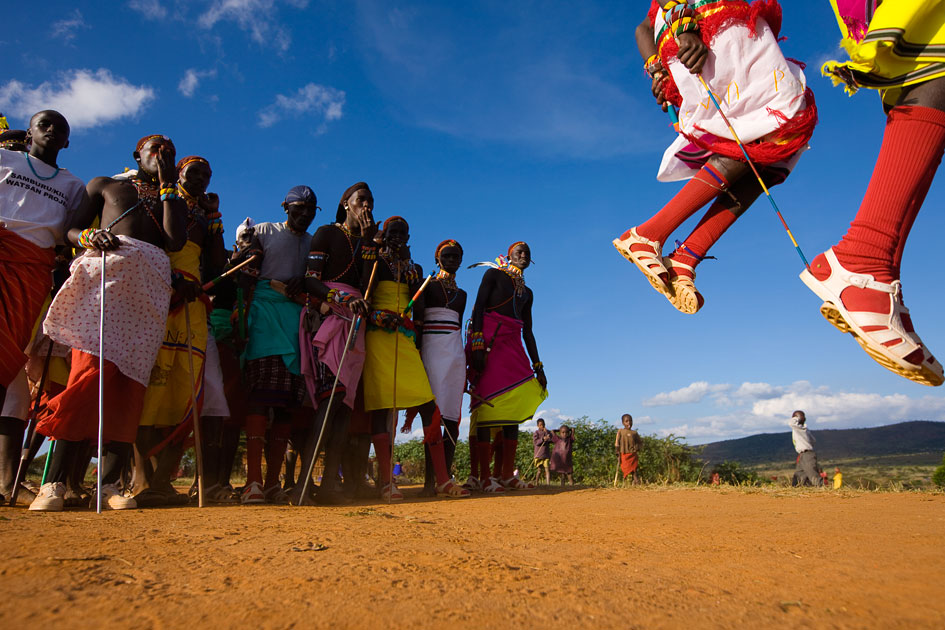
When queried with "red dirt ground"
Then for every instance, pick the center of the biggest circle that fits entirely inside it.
(636, 558)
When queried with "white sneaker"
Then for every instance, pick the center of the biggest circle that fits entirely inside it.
(253, 493)
(50, 498)
(112, 499)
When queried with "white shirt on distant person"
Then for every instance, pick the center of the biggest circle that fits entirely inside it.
(801, 436)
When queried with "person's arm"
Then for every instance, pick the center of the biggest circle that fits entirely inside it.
(692, 50)
(214, 250)
(486, 286)
(529, 338)
(90, 206)
(419, 307)
(649, 52)
(175, 208)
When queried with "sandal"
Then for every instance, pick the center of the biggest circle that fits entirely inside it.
(883, 336)
(517, 484)
(252, 494)
(452, 490)
(218, 494)
(493, 487)
(473, 483)
(276, 495)
(686, 297)
(649, 262)
(391, 492)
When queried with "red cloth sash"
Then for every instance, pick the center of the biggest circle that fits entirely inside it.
(25, 281)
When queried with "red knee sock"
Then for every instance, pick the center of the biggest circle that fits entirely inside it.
(255, 434)
(382, 453)
(484, 453)
(712, 226)
(275, 454)
(912, 149)
(433, 438)
(700, 190)
(473, 457)
(498, 448)
(508, 458)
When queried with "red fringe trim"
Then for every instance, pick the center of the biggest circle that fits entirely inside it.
(795, 133)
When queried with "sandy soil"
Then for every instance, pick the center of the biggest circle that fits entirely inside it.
(638, 558)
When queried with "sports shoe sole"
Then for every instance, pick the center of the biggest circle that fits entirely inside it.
(654, 281)
(921, 374)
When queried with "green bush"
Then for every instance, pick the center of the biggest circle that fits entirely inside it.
(735, 474)
(938, 477)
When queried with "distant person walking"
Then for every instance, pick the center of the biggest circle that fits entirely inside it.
(542, 441)
(806, 471)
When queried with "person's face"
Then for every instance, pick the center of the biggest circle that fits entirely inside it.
(147, 158)
(397, 235)
(541, 425)
(451, 257)
(563, 432)
(301, 214)
(360, 201)
(195, 178)
(245, 237)
(521, 257)
(627, 422)
(49, 131)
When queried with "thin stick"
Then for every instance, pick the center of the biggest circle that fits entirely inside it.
(754, 170)
(393, 420)
(367, 296)
(416, 295)
(617, 472)
(228, 272)
(101, 392)
(30, 430)
(198, 451)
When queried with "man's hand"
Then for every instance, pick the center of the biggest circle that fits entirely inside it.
(657, 87)
(186, 290)
(167, 170)
(295, 286)
(692, 52)
(359, 307)
(542, 380)
(105, 241)
(365, 218)
(210, 202)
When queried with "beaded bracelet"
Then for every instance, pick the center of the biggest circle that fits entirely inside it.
(685, 24)
(339, 297)
(85, 238)
(537, 365)
(671, 9)
(169, 196)
(368, 252)
(477, 341)
(653, 66)
(215, 227)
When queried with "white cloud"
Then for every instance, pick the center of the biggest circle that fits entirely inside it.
(316, 101)
(151, 9)
(256, 17)
(65, 29)
(762, 407)
(692, 393)
(87, 99)
(191, 80)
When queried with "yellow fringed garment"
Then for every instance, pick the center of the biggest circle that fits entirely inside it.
(167, 400)
(904, 45)
(381, 346)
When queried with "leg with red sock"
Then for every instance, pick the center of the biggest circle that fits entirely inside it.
(382, 451)
(498, 449)
(858, 279)
(484, 453)
(255, 437)
(509, 479)
(475, 480)
(275, 457)
(720, 216)
(433, 439)
(643, 245)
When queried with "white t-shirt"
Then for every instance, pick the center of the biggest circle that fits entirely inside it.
(284, 252)
(801, 436)
(32, 208)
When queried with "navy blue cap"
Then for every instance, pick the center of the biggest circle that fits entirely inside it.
(300, 193)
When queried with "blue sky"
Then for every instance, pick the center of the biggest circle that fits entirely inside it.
(492, 122)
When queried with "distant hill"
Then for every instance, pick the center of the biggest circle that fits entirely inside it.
(920, 441)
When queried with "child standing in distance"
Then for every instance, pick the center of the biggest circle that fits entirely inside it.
(628, 445)
(837, 479)
(561, 457)
(541, 440)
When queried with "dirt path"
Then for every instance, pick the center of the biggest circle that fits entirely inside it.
(641, 558)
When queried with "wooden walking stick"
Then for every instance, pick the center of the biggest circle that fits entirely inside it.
(101, 391)
(198, 452)
(617, 472)
(30, 430)
(209, 285)
(349, 343)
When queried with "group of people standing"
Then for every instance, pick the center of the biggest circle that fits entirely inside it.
(315, 340)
